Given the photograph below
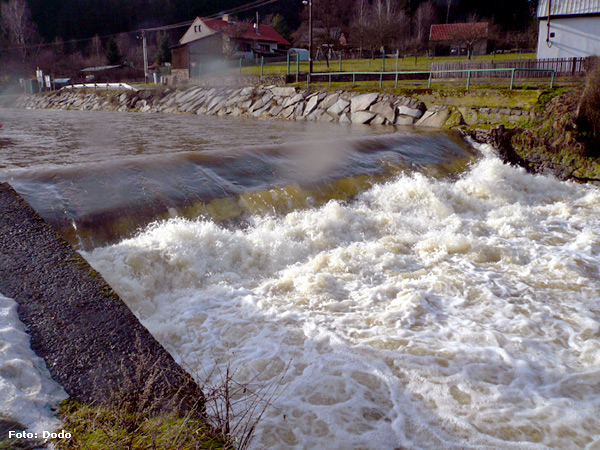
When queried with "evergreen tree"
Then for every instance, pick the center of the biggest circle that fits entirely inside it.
(163, 55)
(113, 53)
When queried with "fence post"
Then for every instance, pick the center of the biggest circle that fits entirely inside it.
(340, 61)
(429, 82)
(397, 54)
(353, 79)
(297, 66)
(307, 80)
(330, 80)
(396, 86)
(381, 80)
(552, 79)
(288, 63)
(240, 66)
(512, 78)
(468, 80)
(383, 62)
(262, 66)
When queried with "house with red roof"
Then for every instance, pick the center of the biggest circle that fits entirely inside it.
(210, 43)
(459, 38)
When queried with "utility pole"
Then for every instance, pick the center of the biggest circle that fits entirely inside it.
(145, 56)
(310, 38)
(310, 35)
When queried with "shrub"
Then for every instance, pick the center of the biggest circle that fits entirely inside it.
(588, 114)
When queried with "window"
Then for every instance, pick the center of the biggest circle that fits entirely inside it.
(265, 47)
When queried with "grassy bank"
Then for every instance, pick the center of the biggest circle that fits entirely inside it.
(408, 63)
(124, 427)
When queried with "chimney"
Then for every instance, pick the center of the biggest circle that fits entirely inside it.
(256, 25)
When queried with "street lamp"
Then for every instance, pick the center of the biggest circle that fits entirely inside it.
(310, 35)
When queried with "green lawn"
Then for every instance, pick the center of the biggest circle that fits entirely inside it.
(408, 63)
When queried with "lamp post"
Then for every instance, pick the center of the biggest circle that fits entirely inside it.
(145, 53)
(310, 35)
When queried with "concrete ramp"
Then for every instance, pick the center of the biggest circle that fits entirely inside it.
(93, 345)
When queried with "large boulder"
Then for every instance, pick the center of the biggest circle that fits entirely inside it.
(362, 117)
(283, 91)
(313, 102)
(362, 102)
(385, 110)
(340, 106)
(434, 118)
(408, 111)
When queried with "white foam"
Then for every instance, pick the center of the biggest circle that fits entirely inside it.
(28, 393)
(427, 313)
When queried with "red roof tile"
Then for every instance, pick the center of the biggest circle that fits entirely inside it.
(450, 31)
(246, 30)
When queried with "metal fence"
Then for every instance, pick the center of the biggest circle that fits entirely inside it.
(564, 67)
(428, 75)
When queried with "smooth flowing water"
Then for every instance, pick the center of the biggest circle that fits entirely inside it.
(400, 291)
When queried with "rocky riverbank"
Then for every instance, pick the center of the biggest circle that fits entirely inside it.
(276, 102)
(553, 144)
(287, 103)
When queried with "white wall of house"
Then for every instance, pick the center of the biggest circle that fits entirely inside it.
(573, 37)
(197, 30)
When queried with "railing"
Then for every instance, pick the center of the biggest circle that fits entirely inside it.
(564, 67)
(102, 86)
(419, 74)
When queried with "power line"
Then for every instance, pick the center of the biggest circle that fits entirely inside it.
(246, 7)
(238, 9)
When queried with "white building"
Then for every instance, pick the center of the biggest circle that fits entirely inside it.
(568, 28)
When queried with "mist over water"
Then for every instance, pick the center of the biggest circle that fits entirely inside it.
(403, 291)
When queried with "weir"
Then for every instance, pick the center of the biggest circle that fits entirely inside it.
(105, 202)
(93, 345)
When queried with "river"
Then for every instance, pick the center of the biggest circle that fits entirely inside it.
(393, 288)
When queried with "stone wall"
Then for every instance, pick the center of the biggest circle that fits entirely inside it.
(287, 103)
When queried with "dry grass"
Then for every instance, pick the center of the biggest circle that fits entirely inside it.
(588, 114)
(224, 416)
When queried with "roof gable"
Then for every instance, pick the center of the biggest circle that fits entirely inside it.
(568, 7)
(452, 31)
(197, 30)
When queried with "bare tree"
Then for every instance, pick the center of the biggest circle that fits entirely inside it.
(361, 25)
(448, 5)
(425, 15)
(389, 25)
(470, 34)
(95, 50)
(231, 38)
(17, 24)
(330, 17)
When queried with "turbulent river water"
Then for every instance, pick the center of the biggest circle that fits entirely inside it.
(395, 289)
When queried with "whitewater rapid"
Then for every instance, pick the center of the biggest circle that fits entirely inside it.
(424, 313)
